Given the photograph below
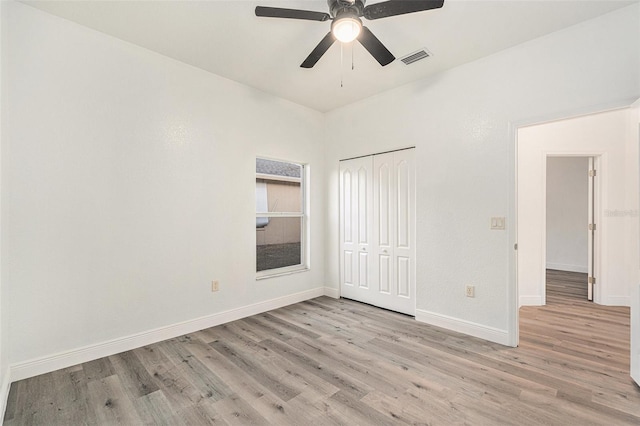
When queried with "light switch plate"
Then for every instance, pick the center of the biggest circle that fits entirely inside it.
(498, 223)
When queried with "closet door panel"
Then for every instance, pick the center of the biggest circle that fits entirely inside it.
(347, 262)
(404, 249)
(364, 201)
(346, 227)
(383, 225)
(363, 271)
(403, 276)
(403, 190)
(382, 204)
(356, 205)
(384, 273)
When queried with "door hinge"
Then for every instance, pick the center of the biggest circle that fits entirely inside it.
(592, 280)
(592, 173)
(515, 246)
(592, 227)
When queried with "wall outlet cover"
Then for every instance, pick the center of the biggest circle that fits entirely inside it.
(470, 291)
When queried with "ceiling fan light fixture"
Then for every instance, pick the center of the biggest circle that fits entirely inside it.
(346, 29)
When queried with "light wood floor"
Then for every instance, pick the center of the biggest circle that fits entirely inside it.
(334, 362)
(566, 287)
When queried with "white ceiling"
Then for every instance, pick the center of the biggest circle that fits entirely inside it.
(226, 38)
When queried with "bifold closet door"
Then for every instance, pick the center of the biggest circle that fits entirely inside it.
(356, 206)
(393, 230)
(384, 273)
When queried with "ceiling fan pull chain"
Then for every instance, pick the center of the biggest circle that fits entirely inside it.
(353, 67)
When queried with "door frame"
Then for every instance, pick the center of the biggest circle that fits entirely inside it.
(513, 297)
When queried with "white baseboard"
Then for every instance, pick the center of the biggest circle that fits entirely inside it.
(463, 326)
(530, 301)
(567, 267)
(57, 361)
(618, 301)
(332, 292)
(4, 391)
(609, 301)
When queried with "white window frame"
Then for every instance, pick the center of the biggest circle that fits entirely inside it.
(304, 219)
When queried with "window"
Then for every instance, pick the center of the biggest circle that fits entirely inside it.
(281, 220)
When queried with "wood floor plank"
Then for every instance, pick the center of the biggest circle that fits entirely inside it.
(10, 408)
(278, 412)
(98, 369)
(338, 362)
(247, 385)
(205, 380)
(354, 411)
(35, 403)
(289, 326)
(236, 411)
(154, 409)
(110, 404)
(330, 374)
(71, 398)
(176, 387)
(239, 381)
(262, 375)
(359, 370)
(132, 374)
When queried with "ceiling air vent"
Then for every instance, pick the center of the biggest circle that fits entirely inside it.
(416, 56)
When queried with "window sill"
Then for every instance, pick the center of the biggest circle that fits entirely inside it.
(281, 273)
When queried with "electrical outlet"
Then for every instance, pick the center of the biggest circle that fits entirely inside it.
(215, 285)
(470, 291)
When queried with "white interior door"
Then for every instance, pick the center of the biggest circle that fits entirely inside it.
(403, 295)
(384, 274)
(356, 206)
(635, 285)
(383, 226)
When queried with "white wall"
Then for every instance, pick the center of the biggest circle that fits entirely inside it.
(461, 123)
(603, 135)
(129, 184)
(567, 213)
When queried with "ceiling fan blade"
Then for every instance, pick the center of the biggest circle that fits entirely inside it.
(276, 12)
(320, 50)
(375, 47)
(399, 7)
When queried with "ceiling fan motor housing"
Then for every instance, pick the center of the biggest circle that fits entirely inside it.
(343, 8)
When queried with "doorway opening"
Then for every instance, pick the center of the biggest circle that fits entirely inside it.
(611, 137)
(570, 229)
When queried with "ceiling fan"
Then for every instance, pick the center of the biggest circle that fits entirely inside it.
(347, 25)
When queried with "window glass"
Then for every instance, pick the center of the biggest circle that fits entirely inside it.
(279, 243)
(280, 216)
(278, 186)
